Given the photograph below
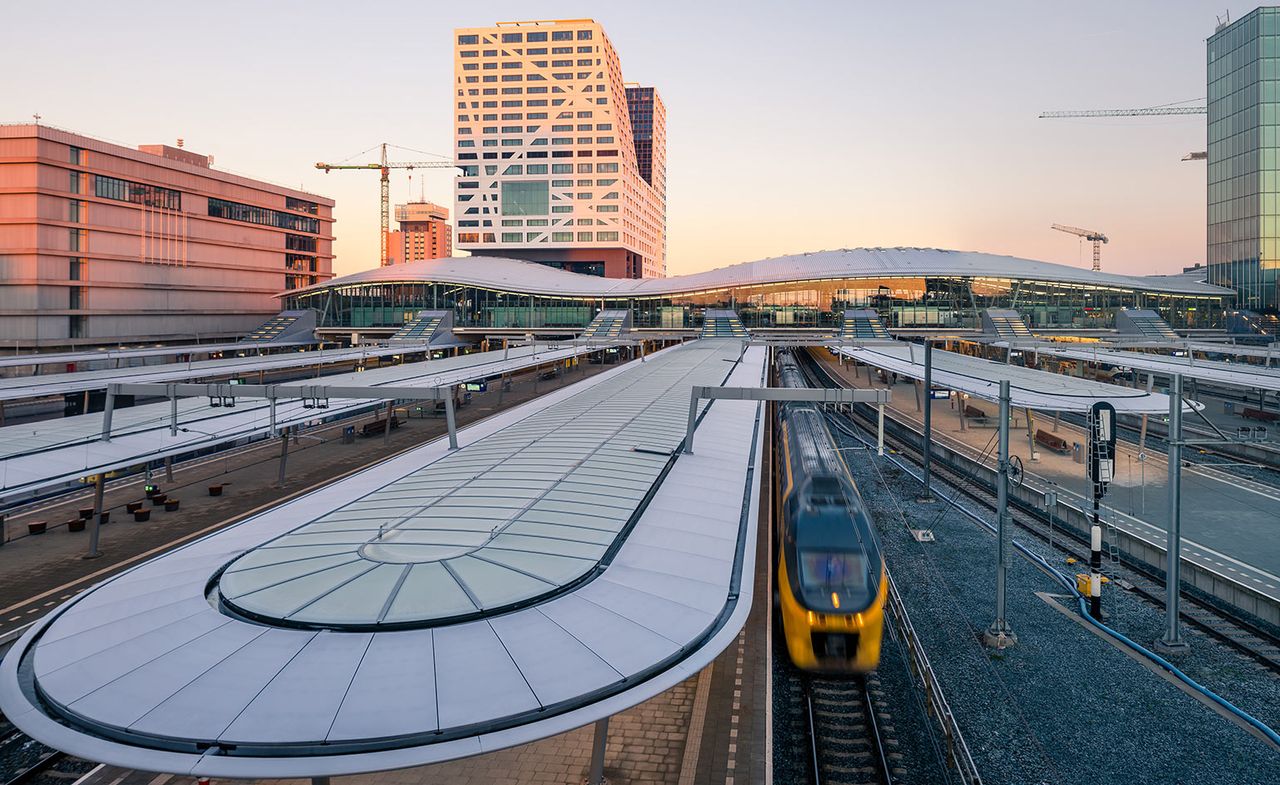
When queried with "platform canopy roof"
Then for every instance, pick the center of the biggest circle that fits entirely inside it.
(1028, 388)
(1233, 374)
(525, 277)
(1270, 352)
(142, 352)
(49, 453)
(591, 566)
(16, 387)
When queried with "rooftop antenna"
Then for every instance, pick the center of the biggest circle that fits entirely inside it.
(180, 142)
(37, 118)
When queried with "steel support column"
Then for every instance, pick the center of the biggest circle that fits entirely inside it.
(926, 492)
(598, 743)
(1173, 632)
(999, 635)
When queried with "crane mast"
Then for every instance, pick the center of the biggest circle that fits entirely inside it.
(1096, 237)
(384, 167)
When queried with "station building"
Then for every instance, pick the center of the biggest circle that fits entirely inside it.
(562, 162)
(909, 287)
(105, 244)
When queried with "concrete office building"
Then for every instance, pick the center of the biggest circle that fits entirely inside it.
(562, 162)
(424, 233)
(1243, 70)
(104, 244)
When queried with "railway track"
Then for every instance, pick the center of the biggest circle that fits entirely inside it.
(849, 731)
(1241, 634)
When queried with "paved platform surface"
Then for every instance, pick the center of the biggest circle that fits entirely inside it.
(1232, 518)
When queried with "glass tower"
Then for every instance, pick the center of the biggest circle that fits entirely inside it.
(1243, 67)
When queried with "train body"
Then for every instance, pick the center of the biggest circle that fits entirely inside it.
(830, 572)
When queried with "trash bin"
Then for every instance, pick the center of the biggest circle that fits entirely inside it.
(1077, 452)
(1228, 407)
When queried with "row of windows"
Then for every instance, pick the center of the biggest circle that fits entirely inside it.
(299, 242)
(583, 115)
(301, 205)
(532, 37)
(235, 211)
(136, 193)
(556, 237)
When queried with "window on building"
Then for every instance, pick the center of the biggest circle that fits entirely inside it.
(77, 156)
(536, 169)
(584, 35)
(512, 222)
(562, 237)
(606, 168)
(561, 35)
(584, 140)
(607, 237)
(584, 237)
(584, 168)
(136, 193)
(74, 265)
(468, 237)
(539, 50)
(468, 40)
(561, 168)
(584, 114)
(531, 197)
(561, 208)
(301, 206)
(469, 53)
(607, 208)
(535, 37)
(514, 169)
(298, 242)
(512, 38)
(511, 237)
(73, 182)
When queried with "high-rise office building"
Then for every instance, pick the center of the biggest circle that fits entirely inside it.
(546, 135)
(1244, 185)
(101, 243)
(424, 233)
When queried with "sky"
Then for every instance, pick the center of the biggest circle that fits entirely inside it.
(792, 127)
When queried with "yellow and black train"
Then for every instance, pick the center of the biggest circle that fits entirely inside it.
(830, 573)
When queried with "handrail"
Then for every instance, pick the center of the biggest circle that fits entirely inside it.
(957, 752)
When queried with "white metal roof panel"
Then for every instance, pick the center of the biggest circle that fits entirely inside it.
(1028, 388)
(48, 453)
(438, 693)
(13, 387)
(1235, 374)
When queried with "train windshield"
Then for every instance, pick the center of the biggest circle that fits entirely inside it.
(839, 573)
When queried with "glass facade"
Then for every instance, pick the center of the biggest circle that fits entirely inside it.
(1243, 67)
(955, 302)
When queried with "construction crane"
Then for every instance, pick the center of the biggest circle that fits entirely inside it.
(1150, 111)
(384, 166)
(1088, 234)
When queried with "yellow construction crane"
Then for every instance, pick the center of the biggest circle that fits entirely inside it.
(384, 166)
(1088, 234)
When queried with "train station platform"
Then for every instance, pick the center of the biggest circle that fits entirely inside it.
(1228, 521)
(581, 564)
(46, 454)
(17, 387)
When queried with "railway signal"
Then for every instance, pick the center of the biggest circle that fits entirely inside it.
(1102, 469)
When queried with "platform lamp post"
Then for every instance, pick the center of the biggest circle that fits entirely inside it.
(1000, 635)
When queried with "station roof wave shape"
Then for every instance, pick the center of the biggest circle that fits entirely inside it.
(529, 278)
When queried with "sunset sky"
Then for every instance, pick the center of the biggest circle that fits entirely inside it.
(824, 125)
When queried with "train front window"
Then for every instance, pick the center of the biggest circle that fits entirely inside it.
(842, 573)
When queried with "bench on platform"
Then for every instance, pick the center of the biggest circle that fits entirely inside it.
(1259, 414)
(378, 427)
(1053, 442)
